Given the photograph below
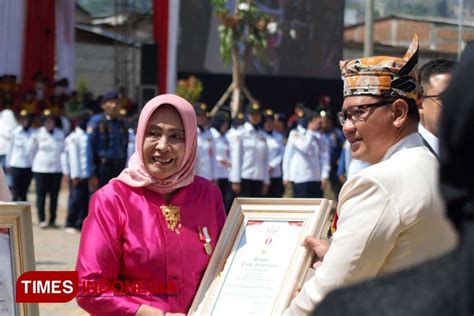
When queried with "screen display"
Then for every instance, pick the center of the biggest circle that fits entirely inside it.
(305, 39)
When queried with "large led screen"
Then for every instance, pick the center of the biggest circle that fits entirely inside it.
(306, 39)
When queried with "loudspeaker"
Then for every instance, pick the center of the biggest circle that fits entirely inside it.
(149, 62)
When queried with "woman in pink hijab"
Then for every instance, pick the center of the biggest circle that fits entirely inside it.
(150, 232)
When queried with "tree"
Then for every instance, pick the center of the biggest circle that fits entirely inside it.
(242, 34)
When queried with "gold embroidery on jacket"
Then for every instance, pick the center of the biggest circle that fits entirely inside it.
(172, 217)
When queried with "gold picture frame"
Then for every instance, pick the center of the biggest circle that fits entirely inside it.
(16, 241)
(258, 260)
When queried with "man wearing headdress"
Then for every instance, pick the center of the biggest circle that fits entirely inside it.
(390, 214)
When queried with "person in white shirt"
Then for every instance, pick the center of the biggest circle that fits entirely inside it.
(18, 160)
(306, 158)
(76, 163)
(220, 124)
(206, 146)
(7, 124)
(276, 148)
(435, 77)
(249, 157)
(46, 146)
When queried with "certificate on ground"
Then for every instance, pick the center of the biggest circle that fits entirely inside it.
(259, 260)
(258, 267)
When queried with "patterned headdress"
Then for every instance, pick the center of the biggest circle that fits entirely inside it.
(383, 75)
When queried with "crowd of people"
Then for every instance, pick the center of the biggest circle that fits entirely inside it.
(48, 132)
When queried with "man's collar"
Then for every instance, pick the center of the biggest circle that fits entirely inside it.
(430, 138)
(412, 140)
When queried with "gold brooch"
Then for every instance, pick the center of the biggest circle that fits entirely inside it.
(172, 216)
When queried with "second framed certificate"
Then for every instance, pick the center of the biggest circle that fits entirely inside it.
(259, 260)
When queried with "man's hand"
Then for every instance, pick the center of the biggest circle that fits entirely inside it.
(236, 188)
(319, 246)
(93, 183)
(75, 182)
(324, 184)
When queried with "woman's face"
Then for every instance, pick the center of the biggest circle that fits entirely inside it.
(163, 145)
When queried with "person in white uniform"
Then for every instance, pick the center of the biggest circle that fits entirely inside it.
(46, 146)
(249, 157)
(18, 160)
(220, 124)
(206, 147)
(306, 158)
(77, 165)
(276, 148)
(390, 214)
(7, 124)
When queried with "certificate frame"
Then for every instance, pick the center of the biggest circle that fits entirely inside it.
(313, 213)
(16, 219)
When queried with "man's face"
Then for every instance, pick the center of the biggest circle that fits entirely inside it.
(111, 108)
(202, 120)
(431, 105)
(372, 136)
(255, 118)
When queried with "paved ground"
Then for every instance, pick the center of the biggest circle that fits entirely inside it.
(55, 250)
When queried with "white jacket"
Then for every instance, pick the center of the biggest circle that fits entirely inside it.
(391, 217)
(46, 150)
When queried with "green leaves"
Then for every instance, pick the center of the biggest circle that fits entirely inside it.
(247, 29)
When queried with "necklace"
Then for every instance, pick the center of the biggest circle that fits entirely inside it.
(172, 217)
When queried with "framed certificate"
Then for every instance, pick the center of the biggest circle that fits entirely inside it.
(259, 260)
(16, 255)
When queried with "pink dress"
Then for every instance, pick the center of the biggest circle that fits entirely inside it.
(125, 237)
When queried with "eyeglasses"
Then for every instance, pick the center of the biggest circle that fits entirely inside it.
(436, 99)
(359, 112)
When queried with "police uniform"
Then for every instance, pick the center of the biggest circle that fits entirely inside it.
(206, 148)
(46, 147)
(305, 162)
(109, 139)
(20, 162)
(249, 158)
(77, 164)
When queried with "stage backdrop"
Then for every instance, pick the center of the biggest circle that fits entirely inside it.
(307, 41)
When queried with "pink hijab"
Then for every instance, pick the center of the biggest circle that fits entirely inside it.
(137, 175)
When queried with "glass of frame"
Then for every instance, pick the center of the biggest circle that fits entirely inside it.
(16, 255)
(259, 261)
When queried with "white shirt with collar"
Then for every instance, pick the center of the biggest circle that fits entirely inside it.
(391, 217)
(249, 155)
(206, 155)
(18, 156)
(431, 139)
(76, 160)
(46, 149)
(306, 157)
